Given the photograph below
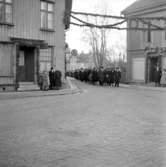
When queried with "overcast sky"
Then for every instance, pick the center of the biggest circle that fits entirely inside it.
(114, 7)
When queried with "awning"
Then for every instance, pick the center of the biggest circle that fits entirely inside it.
(30, 42)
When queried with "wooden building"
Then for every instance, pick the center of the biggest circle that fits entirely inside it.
(32, 39)
(145, 49)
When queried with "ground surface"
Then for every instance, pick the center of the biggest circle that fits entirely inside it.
(101, 127)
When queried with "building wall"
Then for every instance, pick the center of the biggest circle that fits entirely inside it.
(26, 24)
(137, 42)
(59, 58)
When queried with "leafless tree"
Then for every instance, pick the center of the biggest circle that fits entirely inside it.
(97, 39)
(105, 45)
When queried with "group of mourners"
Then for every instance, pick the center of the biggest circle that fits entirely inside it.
(50, 80)
(100, 76)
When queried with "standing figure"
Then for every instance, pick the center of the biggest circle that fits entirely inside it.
(101, 76)
(51, 77)
(157, 75)
(117, 76)
(45, 84)
(112, 79)
(58, 82)
(163, 77)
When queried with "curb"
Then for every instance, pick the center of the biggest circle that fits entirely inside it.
(143, 87)
(25, 94)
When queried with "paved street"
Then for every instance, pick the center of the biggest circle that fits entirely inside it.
(100, 127)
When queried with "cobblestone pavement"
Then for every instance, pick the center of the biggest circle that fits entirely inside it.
(101, 127)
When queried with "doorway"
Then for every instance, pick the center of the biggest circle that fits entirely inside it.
(26, 64)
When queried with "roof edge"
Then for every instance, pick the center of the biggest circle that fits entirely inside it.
(140, 9)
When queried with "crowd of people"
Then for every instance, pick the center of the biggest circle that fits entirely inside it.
(100, 76)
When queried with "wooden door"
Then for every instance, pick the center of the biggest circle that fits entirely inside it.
(26, 64)
(29, 65)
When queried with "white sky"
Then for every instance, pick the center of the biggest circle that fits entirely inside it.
(74, 36)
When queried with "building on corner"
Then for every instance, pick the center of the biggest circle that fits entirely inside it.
(32, 39)
(145, 49)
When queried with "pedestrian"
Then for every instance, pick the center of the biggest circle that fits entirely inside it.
(51, 77)
(94, 76)
(45, 83)
(117, 76)
(112, 77)
(101, 76)
(58, 82)
(157, 75)
(163, 77)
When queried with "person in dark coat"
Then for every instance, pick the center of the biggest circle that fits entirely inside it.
(94, 76)
(51, 77)
(117, 77)
(109, 77)
(112, 77)
(157, 76)
(58, 82)
(101, 76)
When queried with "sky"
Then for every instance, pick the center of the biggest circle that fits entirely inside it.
(74, 36)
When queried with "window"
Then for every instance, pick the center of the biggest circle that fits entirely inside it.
(5, 59)
(45, 59)
(47, 15)
(6, 11)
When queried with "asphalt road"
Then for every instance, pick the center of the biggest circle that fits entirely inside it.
(101, 127)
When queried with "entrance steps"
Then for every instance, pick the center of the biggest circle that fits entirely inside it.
(27, 86)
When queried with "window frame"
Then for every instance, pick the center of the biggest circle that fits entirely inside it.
(47, 12)
(47, 60)
(4, 20)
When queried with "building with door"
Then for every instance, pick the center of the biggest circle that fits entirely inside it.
(32, 39)
(145, 49)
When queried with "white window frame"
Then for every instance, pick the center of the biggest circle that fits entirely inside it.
(47, 12)
(4, 4)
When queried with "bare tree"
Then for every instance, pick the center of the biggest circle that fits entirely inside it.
(106, 44)
(97, 39)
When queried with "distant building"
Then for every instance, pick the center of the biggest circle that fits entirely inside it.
(79, 61)
(145, 48)
(32, 39)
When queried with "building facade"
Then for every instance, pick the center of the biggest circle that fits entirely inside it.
(145, 49)
(32, 39)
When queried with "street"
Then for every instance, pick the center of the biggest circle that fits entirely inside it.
(100, 127)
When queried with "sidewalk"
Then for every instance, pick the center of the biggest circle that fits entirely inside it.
(71, 89)
(143, 87)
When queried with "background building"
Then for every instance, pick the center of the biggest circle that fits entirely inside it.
(32, 39)
(145, 49)
(79, 61)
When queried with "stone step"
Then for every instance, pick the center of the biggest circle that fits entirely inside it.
(26, 83)
(27, 86)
